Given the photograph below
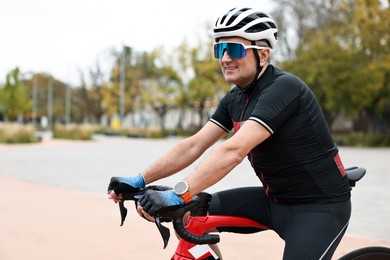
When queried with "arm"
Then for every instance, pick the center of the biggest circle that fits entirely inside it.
(219, 163)
(179, 157)
(228, 155)
(184, 153)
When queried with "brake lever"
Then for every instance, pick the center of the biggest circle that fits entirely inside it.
(164, 231)
(123, 211)
(172, 214)
(121, 204)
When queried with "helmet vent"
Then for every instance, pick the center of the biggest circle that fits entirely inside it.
(235, 15)
(223, 18)
(260, 27)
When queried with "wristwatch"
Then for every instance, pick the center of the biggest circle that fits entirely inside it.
(181, 190)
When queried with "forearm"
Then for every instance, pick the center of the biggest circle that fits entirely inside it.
(215, 167)
(175, 160)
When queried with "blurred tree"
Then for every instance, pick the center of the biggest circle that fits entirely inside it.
(42, 82)
(81, 104)
(161, 85)
(110, 99)
(182, 54)
(207, 84)
(95, 93)
(132, 88)
(14, 98)
(371, 24)
(296, 19)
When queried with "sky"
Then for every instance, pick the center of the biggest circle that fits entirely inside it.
(63, 37)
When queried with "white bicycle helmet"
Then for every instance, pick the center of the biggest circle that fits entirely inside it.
(247, 23)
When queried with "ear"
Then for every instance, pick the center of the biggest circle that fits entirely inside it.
(264, 56)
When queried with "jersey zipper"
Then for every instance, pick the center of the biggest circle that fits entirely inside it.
(246, 104)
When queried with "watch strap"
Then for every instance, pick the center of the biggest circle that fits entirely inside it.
(186, 197)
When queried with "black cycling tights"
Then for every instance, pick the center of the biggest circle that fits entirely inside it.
(310, 231)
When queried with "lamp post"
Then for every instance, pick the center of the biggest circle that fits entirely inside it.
(68, 104)
(50, 102)
(34, 100)
(122, 79)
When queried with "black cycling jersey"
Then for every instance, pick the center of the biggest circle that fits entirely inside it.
(299, 162)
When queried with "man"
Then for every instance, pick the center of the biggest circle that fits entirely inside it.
(279, 126)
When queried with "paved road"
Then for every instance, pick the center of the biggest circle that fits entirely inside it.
(88, 166)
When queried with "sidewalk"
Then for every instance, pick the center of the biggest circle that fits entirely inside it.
(41, 222)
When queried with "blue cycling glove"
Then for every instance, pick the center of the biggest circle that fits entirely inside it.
(126, 184)
(153, 201)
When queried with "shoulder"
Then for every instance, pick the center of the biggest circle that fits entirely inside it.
(286, 82)
(287, 78)
(231, 95)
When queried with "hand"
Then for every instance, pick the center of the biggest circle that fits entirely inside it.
(143, 214)
(153, 201)
(120, 185)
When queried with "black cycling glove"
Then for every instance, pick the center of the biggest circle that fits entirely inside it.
(126, 184)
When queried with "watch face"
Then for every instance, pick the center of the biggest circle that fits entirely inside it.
(181, 188)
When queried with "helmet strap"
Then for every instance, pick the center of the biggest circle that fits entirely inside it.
(259, 68)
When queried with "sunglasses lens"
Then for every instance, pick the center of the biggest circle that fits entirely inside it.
(235, 50)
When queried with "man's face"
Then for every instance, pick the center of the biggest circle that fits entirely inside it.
(239, 71)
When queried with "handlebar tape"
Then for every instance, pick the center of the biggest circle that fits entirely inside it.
(184, 233)
(187, 236)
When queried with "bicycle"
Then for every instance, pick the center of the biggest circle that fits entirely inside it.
(194, 243)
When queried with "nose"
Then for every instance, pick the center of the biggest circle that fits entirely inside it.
(226, 56)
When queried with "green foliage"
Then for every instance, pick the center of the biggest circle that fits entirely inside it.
(12, 133)
(14, 100)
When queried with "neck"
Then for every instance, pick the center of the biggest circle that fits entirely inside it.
(258, 74)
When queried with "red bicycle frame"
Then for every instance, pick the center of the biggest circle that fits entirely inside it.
(199, 225)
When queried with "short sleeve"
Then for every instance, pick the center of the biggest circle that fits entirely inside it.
(221, 115)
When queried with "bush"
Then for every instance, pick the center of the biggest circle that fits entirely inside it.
(378, 140)
(155, 134)
(12, 133)
(136, 133)
(74, 131)
(362, 140)
(184, 133)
